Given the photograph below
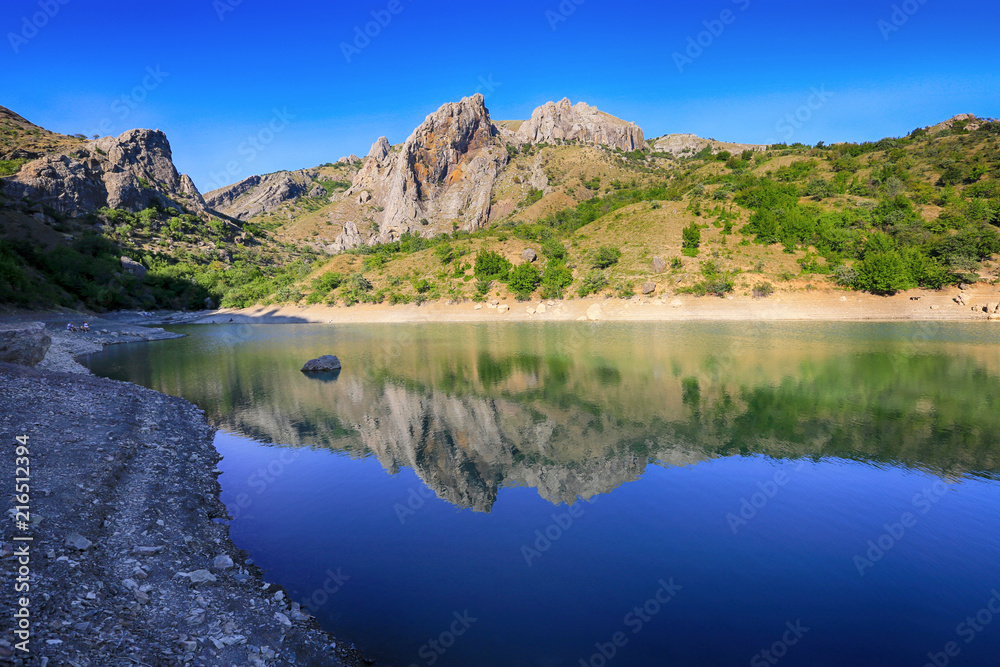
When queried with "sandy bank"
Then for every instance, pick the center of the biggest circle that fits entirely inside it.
(827, 305)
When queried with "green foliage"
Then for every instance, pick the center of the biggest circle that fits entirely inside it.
(553, 249)
(690, 240)
(606, 256)
(524, 280)
(9, 167)
(491, 266)
(555, 279)
(763, 290)
(592, 283)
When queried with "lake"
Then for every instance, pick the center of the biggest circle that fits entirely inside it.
(613, 494)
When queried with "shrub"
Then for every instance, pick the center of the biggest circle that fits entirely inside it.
(553, 249)
(592, 283)
(762, 290)
(491, 266)
(524, 280)
(883, 273)
(556, 278)
(690, 240)
(606, 256)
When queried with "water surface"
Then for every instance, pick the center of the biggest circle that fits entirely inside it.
(689, 494)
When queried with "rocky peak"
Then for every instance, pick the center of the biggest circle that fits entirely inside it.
(131, 171)
(444, 172)
(257, 194)
(564, 121)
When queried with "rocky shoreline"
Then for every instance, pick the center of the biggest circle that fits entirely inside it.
(130, 561)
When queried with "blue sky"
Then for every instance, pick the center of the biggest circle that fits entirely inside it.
(215, 73)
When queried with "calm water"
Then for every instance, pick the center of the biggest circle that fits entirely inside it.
(663, 494)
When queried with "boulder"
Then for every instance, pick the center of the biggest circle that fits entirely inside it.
(992, 307)
(326, 363)
(659, 266)
(503, 308)
(208, 303)
(648, 288)
(595, 313)
(529, 255)
(24, 344)
(133, 267)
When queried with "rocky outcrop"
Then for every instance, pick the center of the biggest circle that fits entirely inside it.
(259, 194)
(24, 344)
(443, 173)
(132, 171)
(133, 267)
(689, 144)
(560, 121)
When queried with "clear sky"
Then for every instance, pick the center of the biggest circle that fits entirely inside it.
(214, 73)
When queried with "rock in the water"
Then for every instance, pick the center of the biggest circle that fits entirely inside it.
(554, 121)
(77, 541)
(659, 266)
(24, 344)
(529, 255)
(326, 363)
(595, 313)
(133, 267)
(648, 288)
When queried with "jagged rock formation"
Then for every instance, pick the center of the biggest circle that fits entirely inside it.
(690, 144)
(555, 121)
(262, 194)
(24, 344)
(444, 172)
(132, 171)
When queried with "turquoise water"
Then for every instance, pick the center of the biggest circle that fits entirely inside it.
(652, 494)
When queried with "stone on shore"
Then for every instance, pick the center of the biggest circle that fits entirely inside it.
(658, 266)
(595, 313)
(326, 363)
(649, 288)
(24, 344)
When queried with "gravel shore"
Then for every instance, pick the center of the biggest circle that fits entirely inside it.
(128, 563)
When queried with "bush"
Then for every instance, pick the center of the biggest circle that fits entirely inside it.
(524, 280)
(883, 273)
(592, 283)
(491, 266)
(691, 240)
(606, 256)
(762, 290)
(556, 278)
(553, 249)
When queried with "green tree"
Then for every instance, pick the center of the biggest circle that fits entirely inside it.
(524, 280)
(606, 256)
(690, 240)
(491, 266)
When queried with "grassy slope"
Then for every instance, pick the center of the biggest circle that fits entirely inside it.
(647, 228)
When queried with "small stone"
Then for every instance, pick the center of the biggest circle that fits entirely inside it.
(130, 584)
(540, 309)
(140, 597)
(146, 551)
(77, 541)
(503, 308)
(649, 288)
(198, 576)
(658, 265)
(222, 562)
(281, 618)
(478, 306)
(279, 596)
(530, 310)
(595, 313)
